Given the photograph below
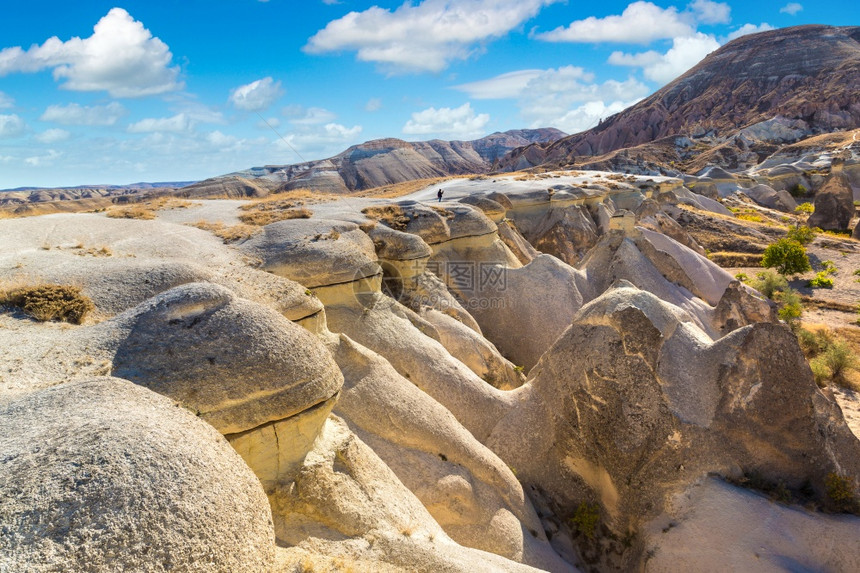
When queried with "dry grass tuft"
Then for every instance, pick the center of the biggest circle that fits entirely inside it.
(92, 251)
(49, 302)
(392, 215)
(131, 212)
(229, 234)
(265, 215)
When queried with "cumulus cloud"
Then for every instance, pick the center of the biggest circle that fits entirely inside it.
(177, 124)
(423, 37)
(459, 122)
(54, 135)
(11, 126)
(642, 23)
(504, 86)
(257, 95)
(750, 29)
(569, 99)
(74, 114)
(300, 115)
(791, 8)
(42, 160)
(639, 23)
(6, 101)
(121, 57)
(685, 53)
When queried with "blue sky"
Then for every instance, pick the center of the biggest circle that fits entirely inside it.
(117, 92)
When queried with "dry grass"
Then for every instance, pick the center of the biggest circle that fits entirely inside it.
(735, 260)
(48, 302)
(92, 251)
(229, 234)
(265, 215)
(392, 215)
(131, 212)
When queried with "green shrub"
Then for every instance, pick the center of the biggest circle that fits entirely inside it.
(807, 208)
(742, 277)
(586, 518)
(792, 308)
(789, 257)
(802, 234)
(821, 280)
(820, 372)
(840, 492)
(769, 283)
(814, 343)
(828, 267)
(798, 190)
(48, 302)
(839, 359)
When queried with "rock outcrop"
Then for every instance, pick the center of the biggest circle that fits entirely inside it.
(103, 474)
(802, 73)
(834, 205)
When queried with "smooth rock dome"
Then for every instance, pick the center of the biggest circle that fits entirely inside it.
(104, 475)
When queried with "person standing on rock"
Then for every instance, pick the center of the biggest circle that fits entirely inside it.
(439, 195)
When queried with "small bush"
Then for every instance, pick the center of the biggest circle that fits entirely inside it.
(840, 492)
(586, 518)
(742, 277)
(802, 234)
(814, 343)
(49, 302)
(828, 267)
(820, 372)
(798, 190)
(807, 208)
(821, 280)
(750, 217)
(792, 307)
(839, 359)
(789, 257)
(769, 283)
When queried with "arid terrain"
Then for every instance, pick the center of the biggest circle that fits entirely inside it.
(580, 365)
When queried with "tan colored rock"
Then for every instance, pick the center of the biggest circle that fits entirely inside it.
(468, 490)
(239, 364)
(314, 252)
(105, 475)
(345, 502)
(632, 379)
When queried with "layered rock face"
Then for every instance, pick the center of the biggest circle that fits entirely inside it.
(388, 161)
(802, 73)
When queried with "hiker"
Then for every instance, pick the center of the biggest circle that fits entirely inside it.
(439, 194)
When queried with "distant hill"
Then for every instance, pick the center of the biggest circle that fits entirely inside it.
(807, 76)
(387, 161)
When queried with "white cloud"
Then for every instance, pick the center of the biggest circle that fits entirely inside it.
(300, 115)
(504, 86)
(318, 141)
(639, 23)
(121, 57)
(74, 114)
(373, 104)
(6, 101)
(791, 8)
(54, 135)
(11, 126)
(708, 12)
(685, 53)
(460, 122)
(567, 98)
(269, 123)
(425, 36)
(257, 95)
(750, 29)
(177, 124)
(642, 23)
(40, 160)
